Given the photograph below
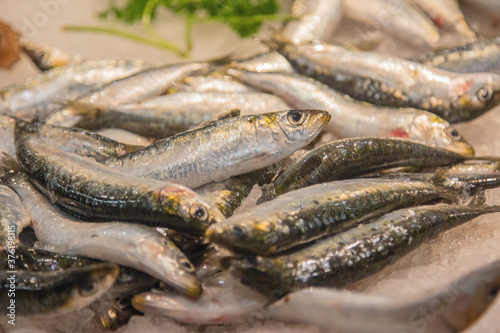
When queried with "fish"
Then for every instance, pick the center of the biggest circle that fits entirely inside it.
(461, 303)
(344, 258)
(316, 20)
(128, 244)
(69, 81)
(171, 114)
(354, 118)
(271, 61)
(476, 167)
(55, 292)
(224, 148)
(342, 159)
(301, 216)
(400, 18)
(447, 14)
(91, 190)
(224, 300)
(477, 57)
(210, 83)
(392, 81)
(13, 219)
(125, 137)
(46, 57)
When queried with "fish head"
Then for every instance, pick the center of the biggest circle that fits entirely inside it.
(245, 234)
(302, 125)
(436, 131)
(88, 284)
(472, 96)
(197, 215)
(471, 295)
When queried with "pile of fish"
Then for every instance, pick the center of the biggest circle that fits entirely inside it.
(124, 181)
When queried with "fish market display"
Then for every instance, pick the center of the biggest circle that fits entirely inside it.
(311, 176)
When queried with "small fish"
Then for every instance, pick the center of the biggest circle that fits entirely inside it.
(46, 57)
(356, 253)
(316, 20)
(476, 167)
(391, 81)
(171, 114)
(396, 17)
(13, 219)
(348, 158)
(89, 189)
(224, 300)
(461, 303)
(447, 14)
(56, 292)
(271, 61)
(301, 216)
(128, 244)
(70, 82)
(478, 57)
(224, 148)
(354, 118)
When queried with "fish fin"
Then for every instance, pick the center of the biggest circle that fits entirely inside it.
(456, 193)
(479, 199)
(223, 115)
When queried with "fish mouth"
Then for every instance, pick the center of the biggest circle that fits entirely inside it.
(462, 148)
(186, 284)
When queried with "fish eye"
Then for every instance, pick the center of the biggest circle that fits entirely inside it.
(185, 264)
(296, 117)
(484, 94)
(493, 291)
(198, 212)
(88, 288)
(122, 303)
(238, 231)
(453, 133)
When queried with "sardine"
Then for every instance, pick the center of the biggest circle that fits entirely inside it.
(301, 216)
(91, 190)
(478, 57)
(396, 82)
(70, 82)
(46, 57)
(316, 20)
(354, 118)
(224, 148)
(396, 17)
(460, 304)
(224, 300)
(171, 114)
(348, 158)
(351, 255)
(137, 246)
(55, 292)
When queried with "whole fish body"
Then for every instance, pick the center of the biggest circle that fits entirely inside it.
(301, 216)
(224, 148)
(93, 191)
(351, 255)
(128, 244)
(461, 304)
(398, 17)
(354, 118)
(317, 20)
(70, 81)
(171, 114)
(391, 81)
(478, 57)
(55, 292)
(446, 14)
(348, 158)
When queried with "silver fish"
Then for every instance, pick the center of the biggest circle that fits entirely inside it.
(460, 304)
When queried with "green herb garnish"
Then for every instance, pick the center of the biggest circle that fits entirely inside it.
(245, 17)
